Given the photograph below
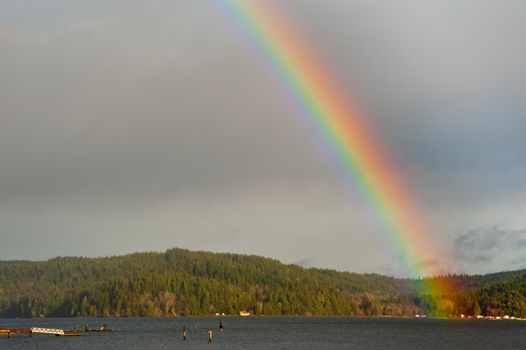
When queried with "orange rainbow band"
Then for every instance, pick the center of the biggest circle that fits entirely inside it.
(343, 129)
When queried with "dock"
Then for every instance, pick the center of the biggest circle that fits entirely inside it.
(54, 331)
(39, 330)
(9, 331)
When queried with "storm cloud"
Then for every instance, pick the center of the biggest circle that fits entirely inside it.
(481, 248)
(147, 125)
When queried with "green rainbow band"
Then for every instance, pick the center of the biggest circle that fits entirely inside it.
(339, 125)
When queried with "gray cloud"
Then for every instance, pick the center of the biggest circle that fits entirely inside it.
(307, 262)
(490, 246)
(153, 124)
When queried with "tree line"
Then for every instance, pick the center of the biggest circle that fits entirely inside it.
(182, 282)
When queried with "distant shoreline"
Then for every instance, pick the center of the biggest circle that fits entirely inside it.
(180, 282)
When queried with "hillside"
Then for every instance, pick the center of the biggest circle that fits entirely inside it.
(182, 282)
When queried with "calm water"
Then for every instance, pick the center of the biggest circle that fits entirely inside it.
(275, 333)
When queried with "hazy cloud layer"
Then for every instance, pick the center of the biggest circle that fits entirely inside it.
(480, 249)
(146, 125)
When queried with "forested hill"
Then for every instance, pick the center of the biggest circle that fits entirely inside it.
(182, 282)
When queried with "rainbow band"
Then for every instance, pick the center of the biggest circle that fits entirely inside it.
(341, 127)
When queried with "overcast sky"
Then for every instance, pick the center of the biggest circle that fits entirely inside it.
(143, 125)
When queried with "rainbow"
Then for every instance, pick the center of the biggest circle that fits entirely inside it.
(343, 129)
